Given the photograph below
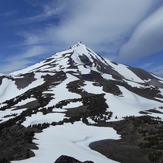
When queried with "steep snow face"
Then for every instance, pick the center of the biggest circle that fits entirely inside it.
(86, 55)
(125, 72)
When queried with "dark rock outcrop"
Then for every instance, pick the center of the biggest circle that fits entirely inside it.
(16, 143)
(68, 159)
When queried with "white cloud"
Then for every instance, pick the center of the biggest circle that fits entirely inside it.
(103, 25)
(158, 70)
(146, 40)
(102, 22)
(48, 10)
(21, 61)
(34, 51)
(106, 26)
(14, 64)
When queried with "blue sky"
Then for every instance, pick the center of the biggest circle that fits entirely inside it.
(125, 31)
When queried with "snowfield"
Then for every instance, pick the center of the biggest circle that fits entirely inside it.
(61, 92)
(72, 140)
(128, 104)
(124, 71)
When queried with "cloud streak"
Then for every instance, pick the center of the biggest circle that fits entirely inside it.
(21, 61)
(106, 25)
(96, 23)
(9, 13)
(146, 40)
(99, 23)
(48, 10)
(123, 31)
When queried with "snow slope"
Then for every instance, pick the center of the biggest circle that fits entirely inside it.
(128, 104)
(70, 139)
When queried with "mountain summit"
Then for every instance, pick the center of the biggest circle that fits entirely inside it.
(79, 58)
(61, 101)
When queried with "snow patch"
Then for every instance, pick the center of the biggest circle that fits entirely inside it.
(39, 118)
(89, 87)
(107, 77)
(9, 90)
(73, 105)
(61, 92)
(25, 101)
(72, 140)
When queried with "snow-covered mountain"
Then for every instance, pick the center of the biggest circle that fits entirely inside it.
(70, 92)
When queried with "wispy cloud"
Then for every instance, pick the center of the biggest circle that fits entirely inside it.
(146, 65)
(159, 72)
(101, 24)
(9, 13)
(146, 40)
(123, 30)
(13, 63)
(153, 67)
(33, 52)
(48, 11)
(21, 61)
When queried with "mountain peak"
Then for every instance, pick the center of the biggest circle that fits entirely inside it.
(79, 45)
(79, 58)
(80, 48)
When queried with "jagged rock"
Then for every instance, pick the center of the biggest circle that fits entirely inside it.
(68, 159)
